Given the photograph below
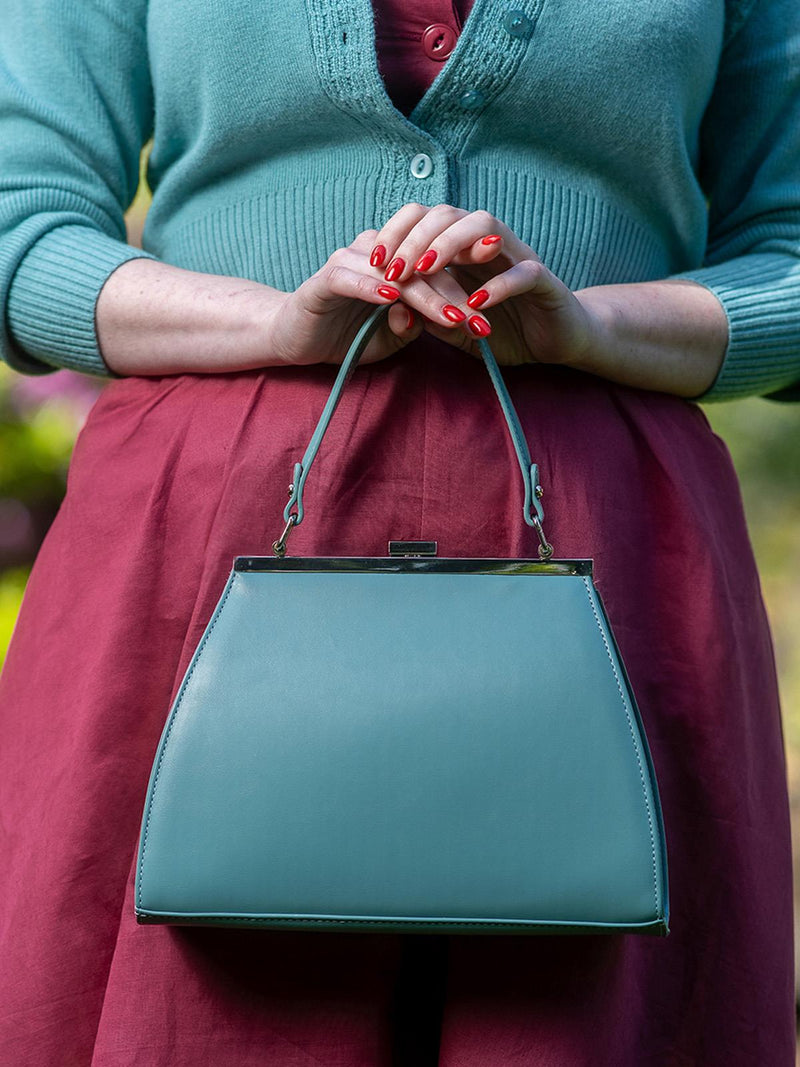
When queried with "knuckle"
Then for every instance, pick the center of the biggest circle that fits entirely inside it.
(485, 217)
(366, 237)
(446, 210)
(362, 285)
(336, 276)
(410, 210)
(336, 257)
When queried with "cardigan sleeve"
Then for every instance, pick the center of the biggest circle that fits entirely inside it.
(750, 171)
(76, 107)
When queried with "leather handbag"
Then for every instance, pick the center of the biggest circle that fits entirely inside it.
(406, 743)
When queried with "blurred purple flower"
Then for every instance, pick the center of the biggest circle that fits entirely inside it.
(77, 392)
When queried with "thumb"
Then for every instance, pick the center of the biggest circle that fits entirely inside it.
(404, 322)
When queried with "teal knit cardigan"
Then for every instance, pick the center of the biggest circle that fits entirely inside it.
(624, 140)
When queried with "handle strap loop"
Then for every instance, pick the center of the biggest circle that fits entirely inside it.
(532, 511)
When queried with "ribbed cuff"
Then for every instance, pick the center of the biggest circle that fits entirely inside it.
(52, 299)
(760, 294)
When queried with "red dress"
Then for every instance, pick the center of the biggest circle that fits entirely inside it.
(171, 477)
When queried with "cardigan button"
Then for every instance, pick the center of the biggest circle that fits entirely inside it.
(422, 165)
(438, 41)
(472, 99)
(517, 23)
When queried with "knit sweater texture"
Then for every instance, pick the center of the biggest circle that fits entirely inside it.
(624, 141)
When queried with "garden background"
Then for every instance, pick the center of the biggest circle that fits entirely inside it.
(40, 418)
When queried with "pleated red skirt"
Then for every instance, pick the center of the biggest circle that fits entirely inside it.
(170, 479)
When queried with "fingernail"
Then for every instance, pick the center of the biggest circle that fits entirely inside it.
(389, 292)
(426, 261)
(480, 296)
(378, 256)
(492, 239)
(410, 323)
(395, 269)
(453, 313)
(480, 327)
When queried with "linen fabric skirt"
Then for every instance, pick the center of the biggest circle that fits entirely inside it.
(170, 479)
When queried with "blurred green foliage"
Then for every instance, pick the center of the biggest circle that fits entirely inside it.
(34, 450)
(39, 420)
(12, 586)
(763, 437)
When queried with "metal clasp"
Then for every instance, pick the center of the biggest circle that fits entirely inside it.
(545, 548)
(413, 548)
(279, 546)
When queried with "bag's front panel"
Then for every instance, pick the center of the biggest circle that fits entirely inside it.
(403, 746)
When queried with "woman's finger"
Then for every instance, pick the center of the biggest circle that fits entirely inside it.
(404, 248)
(439, 298)
(474, 238)
(392, 233)
(529, 276)
(404, 321)
(445, 234)
(341, 278)
(443, 302)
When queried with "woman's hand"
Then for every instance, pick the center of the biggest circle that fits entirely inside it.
(670, 334)
(534, 316)
(317, 322)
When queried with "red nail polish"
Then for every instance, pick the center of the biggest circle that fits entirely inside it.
(480, 327)
(453, 313)
(389, 292)
(480, 296)
(395, 269)
(492, 239)
(378, 256)
(426, 261)
(410, 323)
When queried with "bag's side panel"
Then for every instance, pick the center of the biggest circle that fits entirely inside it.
(158, 760)
(650, 779)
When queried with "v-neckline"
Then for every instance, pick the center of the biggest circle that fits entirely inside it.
(483, 61)
(360, 87)
(434, 88)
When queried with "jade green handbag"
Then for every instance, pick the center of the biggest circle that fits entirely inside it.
(406, 744)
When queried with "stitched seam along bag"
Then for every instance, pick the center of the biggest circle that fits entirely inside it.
(406, 743)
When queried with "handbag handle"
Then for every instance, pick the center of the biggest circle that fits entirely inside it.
(532, 510)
